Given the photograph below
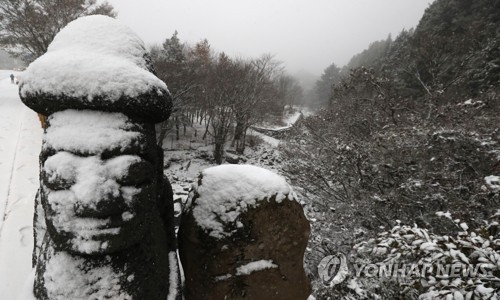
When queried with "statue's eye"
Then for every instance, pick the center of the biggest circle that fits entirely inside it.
(55, 181)
(138, 173)
(59, 171)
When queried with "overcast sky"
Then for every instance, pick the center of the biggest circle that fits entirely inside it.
(305, 34)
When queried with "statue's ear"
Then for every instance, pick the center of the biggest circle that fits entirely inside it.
(43, 120)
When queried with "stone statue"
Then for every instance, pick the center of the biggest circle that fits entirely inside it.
(243, 236)
(104, 225)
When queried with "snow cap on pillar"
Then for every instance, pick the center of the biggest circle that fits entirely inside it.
(96, 63)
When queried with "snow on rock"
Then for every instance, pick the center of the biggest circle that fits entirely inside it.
(92, 56)
(223, 277)
(91, 181)
(493, 183)
(241, 219)
(226, 191)
(92, 178)
(87, 180)
(68, 277)
(95, 62)
(255, 266)
(105, 130)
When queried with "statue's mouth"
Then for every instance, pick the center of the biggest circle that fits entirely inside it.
(90, 235)
(99, 226)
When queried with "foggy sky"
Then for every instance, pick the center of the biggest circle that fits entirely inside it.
(305, 34)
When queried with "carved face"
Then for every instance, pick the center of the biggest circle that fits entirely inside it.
(98, 181)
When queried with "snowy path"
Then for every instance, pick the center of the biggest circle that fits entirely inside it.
(10, 125)
(20, 142)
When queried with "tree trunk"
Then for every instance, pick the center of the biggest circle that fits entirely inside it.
(238, 133)
(240, 146)
(219, 151)
(163, 132)
(206, 131)
(177, 128)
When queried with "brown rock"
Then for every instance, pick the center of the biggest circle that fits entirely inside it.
(271, 233)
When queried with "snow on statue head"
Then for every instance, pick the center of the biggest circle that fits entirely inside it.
(104, 214)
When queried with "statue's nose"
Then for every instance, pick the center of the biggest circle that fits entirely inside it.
(105, 207)
(98, 197)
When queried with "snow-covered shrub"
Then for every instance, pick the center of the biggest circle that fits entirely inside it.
(474, 253)
(254, 141)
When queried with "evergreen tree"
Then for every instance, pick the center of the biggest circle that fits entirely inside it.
(330, 77)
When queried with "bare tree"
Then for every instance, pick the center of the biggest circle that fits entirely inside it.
(257, 91)
(27, 27)
(185, 70)
(222, 93)
(289, 92)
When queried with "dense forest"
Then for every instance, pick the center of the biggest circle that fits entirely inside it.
(219, 91)
(410, 134)
(403, 144)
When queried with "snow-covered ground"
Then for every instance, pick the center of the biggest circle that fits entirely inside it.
(20, 142)
(288, 120)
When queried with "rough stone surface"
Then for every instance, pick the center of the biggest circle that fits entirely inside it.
(271, 231)
(150, 107)
(136, 260)
(104, 216)
(96, 63)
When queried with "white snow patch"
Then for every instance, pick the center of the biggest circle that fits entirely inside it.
(356, 287)
(267, 139)
(127, 216)
(444, 214)
(173, 275)
(229, 190)
(90, 180)
(20, 143)
(27, 292)
(289, 120)
(493, 182)
(72, 130)
(67, 278)
(92, 56)
(223, 277)
(255, 266)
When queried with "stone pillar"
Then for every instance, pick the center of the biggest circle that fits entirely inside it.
(104, 214)
(243, 236)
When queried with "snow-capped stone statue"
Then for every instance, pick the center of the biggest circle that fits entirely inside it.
(104, 215)
(243, 236)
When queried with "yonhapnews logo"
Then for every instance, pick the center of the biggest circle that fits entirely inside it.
(333, 269)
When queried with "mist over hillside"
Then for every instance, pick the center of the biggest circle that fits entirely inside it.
(7, 62)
